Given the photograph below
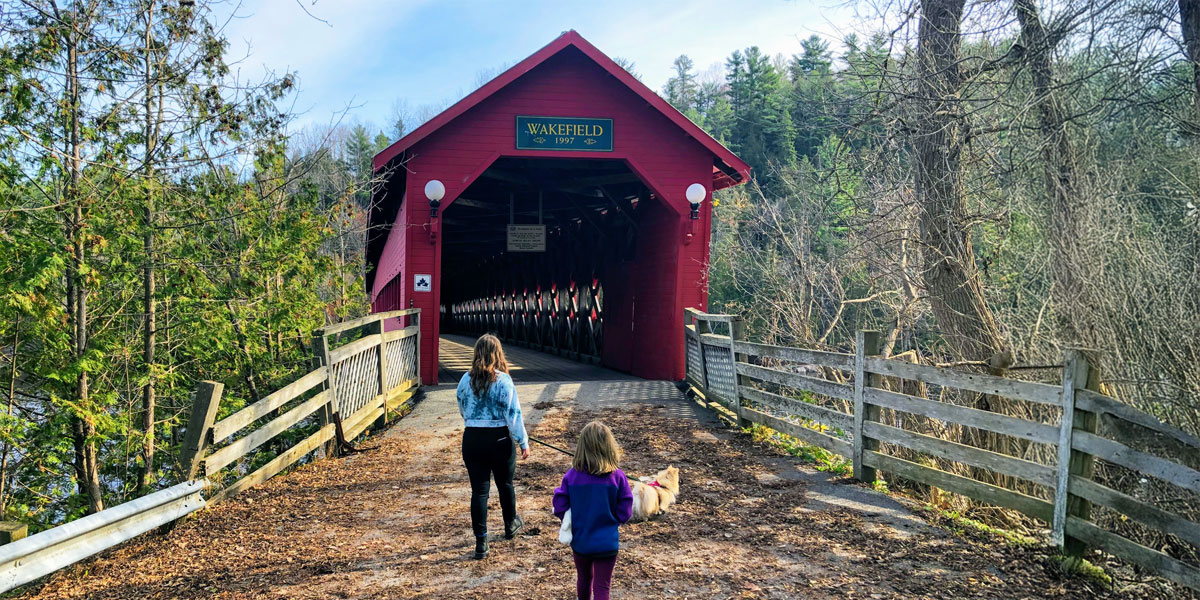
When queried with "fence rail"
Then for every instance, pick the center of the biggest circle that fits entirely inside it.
(833, 400)
(358, 383)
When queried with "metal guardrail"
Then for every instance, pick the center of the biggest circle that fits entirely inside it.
(43, 553)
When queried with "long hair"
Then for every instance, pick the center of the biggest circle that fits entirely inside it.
(597, 451)
(489, 359)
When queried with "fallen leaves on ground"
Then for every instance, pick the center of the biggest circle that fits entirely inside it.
(393, 523)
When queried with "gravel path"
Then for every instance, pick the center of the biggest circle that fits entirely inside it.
(392, 523)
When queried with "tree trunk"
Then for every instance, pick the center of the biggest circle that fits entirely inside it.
(12, 395)
(1071, 218)
(951, 276)
(146, 477)
(86, 460)
(952, 279)
(1189, 18)
(244, 346)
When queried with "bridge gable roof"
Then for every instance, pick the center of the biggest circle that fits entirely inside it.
(728, 169)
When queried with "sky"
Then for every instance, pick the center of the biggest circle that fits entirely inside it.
(356, 58)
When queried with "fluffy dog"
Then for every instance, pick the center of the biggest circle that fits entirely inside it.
(653, 495)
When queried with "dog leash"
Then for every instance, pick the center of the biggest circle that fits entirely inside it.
(550, 446)
(553, 447)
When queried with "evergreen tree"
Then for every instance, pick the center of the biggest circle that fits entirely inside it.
(762, 132)
(360, 151)
(628, 65)
(811, 103)
(814, 58)
(681, 88)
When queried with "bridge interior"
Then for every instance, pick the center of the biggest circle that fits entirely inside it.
(566, 299)
(525, 365)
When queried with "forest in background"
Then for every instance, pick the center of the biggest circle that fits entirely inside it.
(986, 183)
(1014, 180)
(159, 226)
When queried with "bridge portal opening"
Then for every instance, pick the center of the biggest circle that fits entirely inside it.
(590, 170)
(540, 252)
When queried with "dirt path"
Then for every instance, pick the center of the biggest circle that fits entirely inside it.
(393, 523)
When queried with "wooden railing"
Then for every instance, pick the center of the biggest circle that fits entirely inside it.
(370, 372)
(834, 401)
(369, 376)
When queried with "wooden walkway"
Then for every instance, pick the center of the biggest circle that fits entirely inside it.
(527, 366)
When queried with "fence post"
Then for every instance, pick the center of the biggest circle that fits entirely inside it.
(701, 329)
(1078, 373)
(415, 319)
(866, 343)
(377, 328)
(11, 531)
(199, 427)
(320, 350)
(737, 332)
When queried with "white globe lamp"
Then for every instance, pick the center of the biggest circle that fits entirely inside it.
(434, 191)
(695, 195)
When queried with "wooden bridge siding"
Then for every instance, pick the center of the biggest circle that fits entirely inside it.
(668, 161)
(387, 285)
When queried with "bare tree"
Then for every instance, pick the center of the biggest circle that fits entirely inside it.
(939, 140)
(1189, 20)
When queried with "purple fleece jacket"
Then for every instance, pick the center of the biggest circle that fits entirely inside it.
(598, 503)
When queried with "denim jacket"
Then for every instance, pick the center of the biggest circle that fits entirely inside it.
(498, 407)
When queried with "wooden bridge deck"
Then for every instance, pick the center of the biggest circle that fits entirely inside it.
(392, 522)
(526, 365)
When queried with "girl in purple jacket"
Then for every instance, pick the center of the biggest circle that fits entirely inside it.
(598, 496)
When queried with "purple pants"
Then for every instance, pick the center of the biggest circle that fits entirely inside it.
(593, 577)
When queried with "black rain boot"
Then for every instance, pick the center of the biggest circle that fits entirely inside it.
(481, 547)
(511, 529)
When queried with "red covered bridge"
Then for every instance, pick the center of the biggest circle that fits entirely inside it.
(552, 207)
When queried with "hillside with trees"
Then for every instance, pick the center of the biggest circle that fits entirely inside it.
(158, 226)
(988, 185)
(986, 189)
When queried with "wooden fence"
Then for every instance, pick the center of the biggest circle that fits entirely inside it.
(777, 387)
(362, 373)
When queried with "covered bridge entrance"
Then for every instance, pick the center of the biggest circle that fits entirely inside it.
(552, 207)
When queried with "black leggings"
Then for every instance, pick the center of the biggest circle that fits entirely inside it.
(489, 452)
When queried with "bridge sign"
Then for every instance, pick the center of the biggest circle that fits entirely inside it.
(526, 238)
(422, 283)
(564, 133)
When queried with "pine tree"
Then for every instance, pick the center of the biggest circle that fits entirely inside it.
(360, 151)
(628, 65)
(811, 103)
(762, 132)
(681, 88)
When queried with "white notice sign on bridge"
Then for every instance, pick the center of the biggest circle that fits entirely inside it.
(422, 283)
(526, 238)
